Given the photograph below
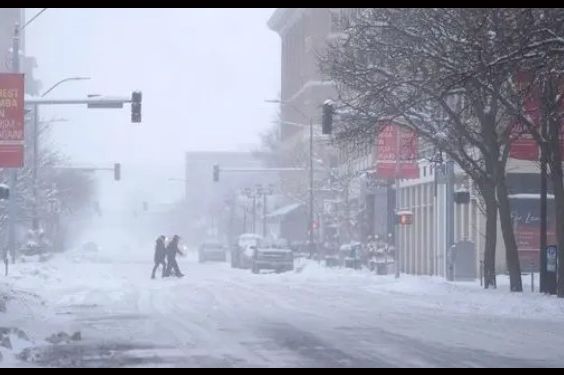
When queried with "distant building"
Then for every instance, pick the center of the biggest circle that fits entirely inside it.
(345, 203)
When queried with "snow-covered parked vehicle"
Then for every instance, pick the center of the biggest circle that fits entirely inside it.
(272, 258)
(242, 253)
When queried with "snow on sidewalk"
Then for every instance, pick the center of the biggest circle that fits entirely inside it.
(436, 292)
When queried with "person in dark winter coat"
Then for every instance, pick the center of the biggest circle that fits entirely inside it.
(160, 255)
(171, 251)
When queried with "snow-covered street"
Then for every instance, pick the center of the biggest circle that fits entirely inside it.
(222, 317)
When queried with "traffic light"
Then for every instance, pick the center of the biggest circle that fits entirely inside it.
(327, 120)
(216, 173)
(145, 206)
(136, 98)
(4, 192)
(117, 171)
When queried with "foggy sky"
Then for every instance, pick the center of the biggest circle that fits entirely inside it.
(204, 73)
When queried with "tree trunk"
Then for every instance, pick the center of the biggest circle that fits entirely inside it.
(511, 252)
(491, 237)
(555, 160)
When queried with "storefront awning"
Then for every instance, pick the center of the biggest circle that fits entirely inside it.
(283, 211)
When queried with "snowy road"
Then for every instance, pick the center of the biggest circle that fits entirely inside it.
(220, 317)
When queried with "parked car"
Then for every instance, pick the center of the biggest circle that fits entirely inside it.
(277, 259)
(212, 251)
(242, 252)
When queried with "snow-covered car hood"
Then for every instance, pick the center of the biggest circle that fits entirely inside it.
(274, 250)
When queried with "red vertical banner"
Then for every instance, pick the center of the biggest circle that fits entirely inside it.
(11, 120)
(387, 153)
(524, 146)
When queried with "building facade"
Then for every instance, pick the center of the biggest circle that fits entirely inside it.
(345, 198)
(353, 202)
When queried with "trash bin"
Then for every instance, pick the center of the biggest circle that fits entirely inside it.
(461, 262)
(382, 269)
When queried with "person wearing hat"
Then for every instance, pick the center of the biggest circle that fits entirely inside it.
(171, 251)
(160, 254)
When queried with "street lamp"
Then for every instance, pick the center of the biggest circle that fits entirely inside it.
(311, 197)
(35, 220)
(63, 81)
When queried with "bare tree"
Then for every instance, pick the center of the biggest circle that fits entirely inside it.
(429, 70)
(532, 58)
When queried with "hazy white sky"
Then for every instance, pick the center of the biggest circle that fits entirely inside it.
(204, 73)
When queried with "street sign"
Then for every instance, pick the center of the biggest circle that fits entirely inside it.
(11, 120)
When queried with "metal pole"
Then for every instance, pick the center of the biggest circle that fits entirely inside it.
(35, 218)
(397, 180)
(12, 209)
(254, 213)
(532, 278)
(311, 236)
(449, 225)
(543, 212)
(245, 218)
(264, 215)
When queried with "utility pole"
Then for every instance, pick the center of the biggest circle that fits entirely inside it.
(12, 209)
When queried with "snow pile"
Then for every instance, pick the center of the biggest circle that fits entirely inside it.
(12, 339)
(429, 292)
(470, 298)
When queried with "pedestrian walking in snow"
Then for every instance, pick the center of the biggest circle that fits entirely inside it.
(171, 251)
(160, 255)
